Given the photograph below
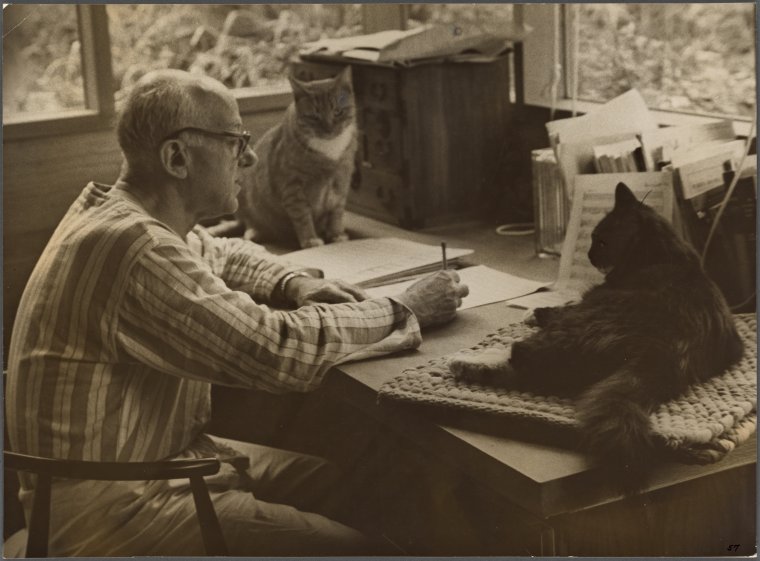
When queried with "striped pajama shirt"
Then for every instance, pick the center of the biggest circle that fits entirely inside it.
(124, 326)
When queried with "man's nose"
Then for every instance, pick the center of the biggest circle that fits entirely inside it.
(248, 158)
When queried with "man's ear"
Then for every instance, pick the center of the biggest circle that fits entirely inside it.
(174, 158)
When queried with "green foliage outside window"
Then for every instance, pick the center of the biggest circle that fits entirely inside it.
(42, 68)
(686, 57)
(697, 58)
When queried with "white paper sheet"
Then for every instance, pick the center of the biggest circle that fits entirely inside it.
(486, 286)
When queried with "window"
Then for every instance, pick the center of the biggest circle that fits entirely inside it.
(248, 51)
(42, 64)
(63, 69)
(697, 58)
(688, 60)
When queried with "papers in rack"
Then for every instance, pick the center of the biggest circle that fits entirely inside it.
(486, 286)
(627, 113)
(594, 197)
(621, 119)
(373, 261)
(661, 144)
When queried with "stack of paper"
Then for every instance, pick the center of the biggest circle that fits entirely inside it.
(374, 261)
(621, 119)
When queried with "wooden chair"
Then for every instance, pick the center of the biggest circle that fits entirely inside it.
(46, 469)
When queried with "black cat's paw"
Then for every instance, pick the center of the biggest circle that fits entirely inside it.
(529, 361)
(529, 318)
(251, 235)
(539, 317)
(482, 365)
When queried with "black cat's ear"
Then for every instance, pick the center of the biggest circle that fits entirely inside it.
(624, 197)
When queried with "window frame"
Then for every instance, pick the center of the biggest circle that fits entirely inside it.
(92, 24)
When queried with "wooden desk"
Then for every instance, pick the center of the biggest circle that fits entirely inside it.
(553, 484)
(530, 497)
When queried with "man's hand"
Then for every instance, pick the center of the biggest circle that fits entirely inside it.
(308, 290)
(435, 299)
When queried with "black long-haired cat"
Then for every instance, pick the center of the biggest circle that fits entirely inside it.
(654, 326)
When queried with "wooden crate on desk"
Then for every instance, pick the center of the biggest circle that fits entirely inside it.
(432, 138)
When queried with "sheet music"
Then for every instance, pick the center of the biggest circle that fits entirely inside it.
(366, 261)
(486, 286)
(594, 198)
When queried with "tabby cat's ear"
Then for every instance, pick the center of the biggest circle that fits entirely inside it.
(344, 78)
(624, 197)
(299, 90)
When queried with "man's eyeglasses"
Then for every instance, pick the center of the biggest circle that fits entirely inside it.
(243, 138)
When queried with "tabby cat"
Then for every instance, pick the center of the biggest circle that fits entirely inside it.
(297, 190)
(655, 325)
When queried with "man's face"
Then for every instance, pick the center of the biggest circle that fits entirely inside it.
(217, 160)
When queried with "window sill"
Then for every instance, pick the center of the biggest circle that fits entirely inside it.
(742, 125)
(250, 101)
(56, 124)
(260, 100)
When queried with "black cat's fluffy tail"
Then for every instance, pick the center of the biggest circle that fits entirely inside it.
(615, 417)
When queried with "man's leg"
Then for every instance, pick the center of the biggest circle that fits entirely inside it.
(282, 479)
(253, 527)
(282, 476)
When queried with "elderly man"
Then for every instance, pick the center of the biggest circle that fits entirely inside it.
(133, 312)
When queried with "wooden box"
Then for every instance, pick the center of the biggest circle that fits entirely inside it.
(432, 138)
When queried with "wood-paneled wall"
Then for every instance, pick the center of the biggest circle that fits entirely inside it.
(41, 178)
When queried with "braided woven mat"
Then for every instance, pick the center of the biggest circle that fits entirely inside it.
(701, 426)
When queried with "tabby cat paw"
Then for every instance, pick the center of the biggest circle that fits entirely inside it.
(480, 365)
(313, 242)
(339, 238)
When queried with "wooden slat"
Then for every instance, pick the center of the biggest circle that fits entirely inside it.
(96, 58)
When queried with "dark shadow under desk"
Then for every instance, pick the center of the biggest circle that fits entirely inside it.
(520, 496)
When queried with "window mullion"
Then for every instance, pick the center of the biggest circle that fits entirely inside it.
(569, 50)
(96, 58)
